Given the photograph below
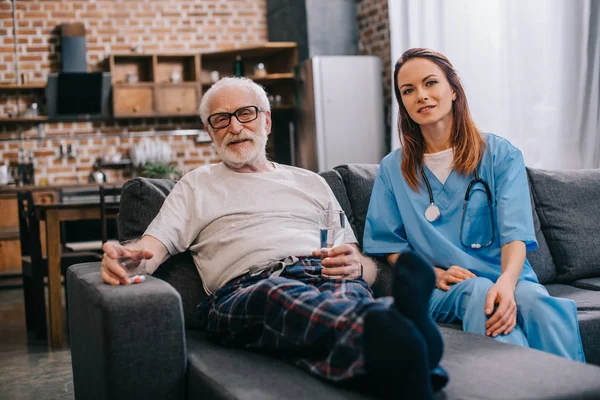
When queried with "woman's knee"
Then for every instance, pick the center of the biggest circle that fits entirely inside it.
(473, 285)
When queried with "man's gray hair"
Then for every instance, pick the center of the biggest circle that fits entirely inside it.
(243, 84)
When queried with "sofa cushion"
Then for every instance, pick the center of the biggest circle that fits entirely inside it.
(219, 372)
(483, 368)
(589, 283)
(585, 299)
(588, 314)
(359, 180)
(479, 368)
(567, 204)
(141, 198)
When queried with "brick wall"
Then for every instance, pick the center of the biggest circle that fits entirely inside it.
(374, 39)
(113, 26)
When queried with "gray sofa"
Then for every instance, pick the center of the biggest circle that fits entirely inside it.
(141, 341)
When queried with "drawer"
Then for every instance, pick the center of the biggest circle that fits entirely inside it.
(177, 99)
(133, 100)
(10, 212)
(10, 255)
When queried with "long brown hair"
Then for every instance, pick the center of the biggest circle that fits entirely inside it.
(466, 139)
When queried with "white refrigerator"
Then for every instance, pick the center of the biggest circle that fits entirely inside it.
(340, 112)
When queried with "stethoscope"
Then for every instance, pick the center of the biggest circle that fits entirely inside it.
(432, 212)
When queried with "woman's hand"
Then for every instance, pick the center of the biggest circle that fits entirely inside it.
(504, 319)
(340, 262)
(451, 276)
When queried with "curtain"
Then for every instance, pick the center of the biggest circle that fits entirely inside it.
(531, 69)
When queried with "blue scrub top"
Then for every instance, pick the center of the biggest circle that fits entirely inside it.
(396, 218)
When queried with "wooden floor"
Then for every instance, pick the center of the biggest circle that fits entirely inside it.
(28, 369)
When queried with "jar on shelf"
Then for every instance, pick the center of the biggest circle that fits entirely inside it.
(32, 111)
(131, 77)
(260, 71)
(175, 76)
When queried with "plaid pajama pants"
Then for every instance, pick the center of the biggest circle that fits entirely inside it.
(315, 322)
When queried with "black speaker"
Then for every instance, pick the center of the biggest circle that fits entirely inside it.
(74, 49)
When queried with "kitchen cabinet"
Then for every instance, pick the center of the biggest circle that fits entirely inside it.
(133, 100)
(10, 256)
(177, 99)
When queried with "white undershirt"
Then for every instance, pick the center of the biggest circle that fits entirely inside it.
(440, 163)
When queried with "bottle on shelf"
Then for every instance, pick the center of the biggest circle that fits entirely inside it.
(25, 168)
(238, 66)
(30, 170)
(21, 169)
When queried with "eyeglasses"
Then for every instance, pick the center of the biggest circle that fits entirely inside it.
(244, 114)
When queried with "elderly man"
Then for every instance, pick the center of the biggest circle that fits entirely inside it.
(252, 228)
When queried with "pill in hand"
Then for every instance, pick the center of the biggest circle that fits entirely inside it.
(137, 279)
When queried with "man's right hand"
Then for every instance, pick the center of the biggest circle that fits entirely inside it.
(111, 271)
(451, 276)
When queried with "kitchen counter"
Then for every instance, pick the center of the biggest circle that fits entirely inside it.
(13, 189)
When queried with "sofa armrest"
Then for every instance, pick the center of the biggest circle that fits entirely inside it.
(126, 341)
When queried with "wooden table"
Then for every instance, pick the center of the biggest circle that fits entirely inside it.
(53, 214)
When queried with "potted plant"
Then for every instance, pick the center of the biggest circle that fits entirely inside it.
(160, 169)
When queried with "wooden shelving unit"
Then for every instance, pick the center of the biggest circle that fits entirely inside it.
(23, 119)
(171, 84)
(279, 59)
(25, 86)
(155, 85)
(15, 90)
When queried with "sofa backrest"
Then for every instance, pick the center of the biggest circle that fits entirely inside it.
(568, 206)
(141, 199)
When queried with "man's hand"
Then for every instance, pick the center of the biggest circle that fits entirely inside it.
(111, 271)
(504, 319)
(340, 262)
(451, 276)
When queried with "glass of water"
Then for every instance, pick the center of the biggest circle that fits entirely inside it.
(132, 259)
(332, 224)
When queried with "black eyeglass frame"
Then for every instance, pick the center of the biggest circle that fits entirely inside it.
(234, 114)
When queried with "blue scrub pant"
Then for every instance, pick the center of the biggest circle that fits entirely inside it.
(543, 322)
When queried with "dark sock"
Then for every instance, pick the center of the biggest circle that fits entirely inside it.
(414, 280)
(396, 356)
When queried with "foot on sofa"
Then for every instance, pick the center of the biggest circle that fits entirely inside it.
(414, 280)
(396, 356)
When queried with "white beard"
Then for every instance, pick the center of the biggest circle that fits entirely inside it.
(245, 156)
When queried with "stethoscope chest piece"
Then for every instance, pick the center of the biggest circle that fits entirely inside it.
(432, 213)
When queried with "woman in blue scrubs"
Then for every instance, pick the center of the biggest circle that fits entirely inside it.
(459, 198)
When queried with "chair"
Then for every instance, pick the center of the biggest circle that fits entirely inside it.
(35, 266)
(109, 207)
